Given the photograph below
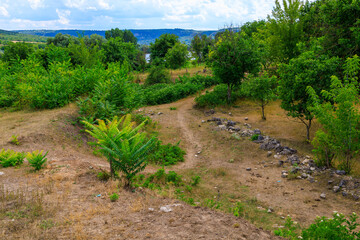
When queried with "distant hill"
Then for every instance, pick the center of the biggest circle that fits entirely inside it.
(144, 36)
(14, 36)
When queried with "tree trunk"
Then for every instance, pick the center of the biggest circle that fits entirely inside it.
(308, 126)
(229, 94)
(263, 111)
(111, 168)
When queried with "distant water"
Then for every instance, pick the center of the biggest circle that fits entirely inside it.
(147, 57)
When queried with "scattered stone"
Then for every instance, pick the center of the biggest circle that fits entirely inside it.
(344, 194)
(203, 121)
(312, 169)
(356, 197)
(340, 172)
(159, 113)
(342, 183)
(304, 175)
(210, 112)
(151, 209)
(277, 156)
(248, 169)
(222, 127)
(270, 210)
(330, 181)
(199, 152)
(284, 175)
(323, 195)
(269, 153)
(2, 173)
(294, 159)
(246, 133)
(294, 170)
(257, 131)
(311, 179)
(247, 125)
(246, 118)
(336, 189)
(230, 123)
(235, 129)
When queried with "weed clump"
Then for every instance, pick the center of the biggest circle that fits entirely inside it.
(10, 158)
(36, 159)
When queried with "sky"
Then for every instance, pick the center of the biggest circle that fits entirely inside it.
(130, 14)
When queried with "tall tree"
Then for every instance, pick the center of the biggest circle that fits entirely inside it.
(200, 46)
(161, 46)
(233, 55)
(177, 56)
(285, 29)
(125, 35)
(308, 69)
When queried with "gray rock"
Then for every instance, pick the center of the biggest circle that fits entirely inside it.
(269, 153)
(222, 127)
(294, 159)
(356, 197)
(277, 156)
(281, 163)
(342, 183)
(230, 123)
(336, 189)
(340, 172)
(257, 131)
(323, 195)
(159, 113)
(344, 193)
(246, 118)
(248, 169)
(2, 173)
(284, 175)
(203, 121)
(311, 179)
(312, 169)
(304, 175)
(330, 181)
(294, 170)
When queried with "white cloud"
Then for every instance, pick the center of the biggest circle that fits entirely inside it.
(4, 12)
(63, 16)
(35, 4)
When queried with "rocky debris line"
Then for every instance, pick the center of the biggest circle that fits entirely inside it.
(301, 167)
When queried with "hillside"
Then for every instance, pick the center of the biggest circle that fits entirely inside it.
(144, 36)
(16, 36)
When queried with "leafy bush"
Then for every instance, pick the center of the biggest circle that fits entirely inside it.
(254, 137)
(337, 227)
(36, 159)
(195, 180)
(114, 197)
(289, 230)
(160, 177)
(10, 158)
(323, 150)
(167, 154)
(158, 74)
(103, 176)
(217, 97)
(123, 145)
(14, 140)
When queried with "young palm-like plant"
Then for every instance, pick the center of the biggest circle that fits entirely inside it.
(123, 145)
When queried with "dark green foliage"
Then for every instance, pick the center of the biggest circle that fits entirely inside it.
(14, 52)
(218, 97)
(340, 123)
(10, 158)
(167, 154)
(177, 56)
(37, 159)
(166, 93)
(254, 137)
(158, 74)
(233, 55)
(308, 69)
(338, 227)
(161, 46)
(200, 46)
(116, 50)
(62, 40)
(160, 177)
(126, 35)
(114, 197)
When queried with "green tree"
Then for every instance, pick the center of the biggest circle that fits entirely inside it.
(177, 56)
(116, 50)
(233, 55)
(161, 46)
(308, 69)
(200, 46)
(340, 115)
(123, 145)
(285, 29)
(261, 89)
(126, 35)
(17, 51)
(62, 40)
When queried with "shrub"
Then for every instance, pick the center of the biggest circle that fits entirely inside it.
(217, 97)
(167, 154)
(195, 180)
(14, 140)
(123, 145)
(158, 74)
(254, 137)
(103, 176)
(114, 197)
(289, 230)
(323, 150)
(337, 227)
(36, 159)
(10, 158)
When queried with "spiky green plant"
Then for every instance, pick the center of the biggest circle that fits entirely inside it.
(36, 159)
(123, 145)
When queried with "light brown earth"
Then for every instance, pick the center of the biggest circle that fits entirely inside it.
(66, 191)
